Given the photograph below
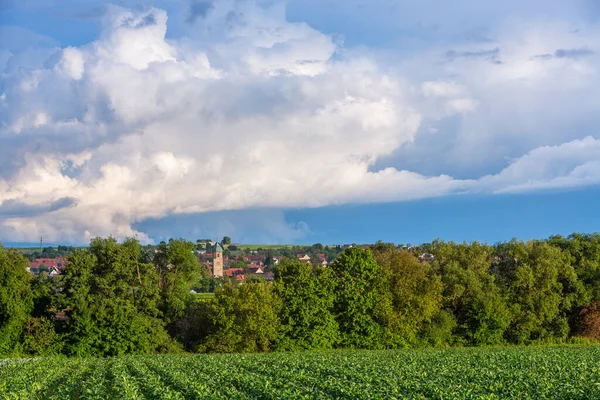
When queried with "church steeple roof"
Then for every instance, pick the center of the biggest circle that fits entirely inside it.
(218, 248)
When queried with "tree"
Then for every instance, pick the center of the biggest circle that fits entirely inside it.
(584, 256)
(16, 300)
(49, 252)
(588, 324)
(254, 278)
(178, 269)
(307, 315)
(40, 338)
(239, 264)
(243, 319)
(112, 302)
(439, 331)
(416, 294)
(317, 248)
(361, 304)
(543, 288)
(471, 291)
(196, 325)
(43, 289)
(226, 240)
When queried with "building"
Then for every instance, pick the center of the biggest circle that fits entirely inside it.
(304, 258)
(322, 260)
(53, 266)
(256, 269)
(233, 272)
(426, 257)
(269, 276)
(217, 260)
(58, 262)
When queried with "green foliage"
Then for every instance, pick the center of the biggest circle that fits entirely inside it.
(43, 290)
(210, 285)
(196, 324)
(112, 302)
(243, 319)
(16, 300)
(538, 278)
(471, 292)
(308, 298)
(239, 264)
(254, 278)
(584, 251)
(361, 302)
(116, 299)
(415, 293)
(566, 372)
(49, 252)
(40, 338)
(178, 269)
(438, 332)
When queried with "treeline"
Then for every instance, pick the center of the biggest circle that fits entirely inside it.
(50, 252)
(110, 302)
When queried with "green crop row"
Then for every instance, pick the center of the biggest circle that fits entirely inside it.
(563, 372)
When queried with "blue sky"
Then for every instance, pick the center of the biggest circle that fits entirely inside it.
(298, 121)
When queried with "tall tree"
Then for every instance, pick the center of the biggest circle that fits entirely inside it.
(584, 251)
(307, 315)
(16, 300)
(416, 294)
(40, 337)
(178, 270)
(470, 290)
(112, 302)
(361, 303)
(243, 319)
(543, 288)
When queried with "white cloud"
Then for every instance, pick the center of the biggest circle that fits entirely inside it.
(447, 98)
(487, 110)
(575, 163)
(71, 63)
(159, 130)
(134, 39)
(249, 111)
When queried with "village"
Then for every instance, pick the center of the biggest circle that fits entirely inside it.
(240, 267)
(218, 258)
(224, 260)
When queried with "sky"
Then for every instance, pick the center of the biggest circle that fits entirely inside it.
(298, 121)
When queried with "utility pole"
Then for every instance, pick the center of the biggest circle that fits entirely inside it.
(41, 244)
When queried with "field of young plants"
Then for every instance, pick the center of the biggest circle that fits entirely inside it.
(567, 372)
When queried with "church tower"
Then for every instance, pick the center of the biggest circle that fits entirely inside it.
(217, 260)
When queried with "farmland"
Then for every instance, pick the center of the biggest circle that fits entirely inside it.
(518, 372)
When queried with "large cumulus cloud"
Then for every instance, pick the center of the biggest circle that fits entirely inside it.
(249, 110)
(540, 88)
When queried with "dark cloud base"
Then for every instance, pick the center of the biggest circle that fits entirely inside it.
(16, 208)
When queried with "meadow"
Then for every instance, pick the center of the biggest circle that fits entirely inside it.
(563, 372)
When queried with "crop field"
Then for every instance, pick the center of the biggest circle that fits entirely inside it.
(563, 372)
